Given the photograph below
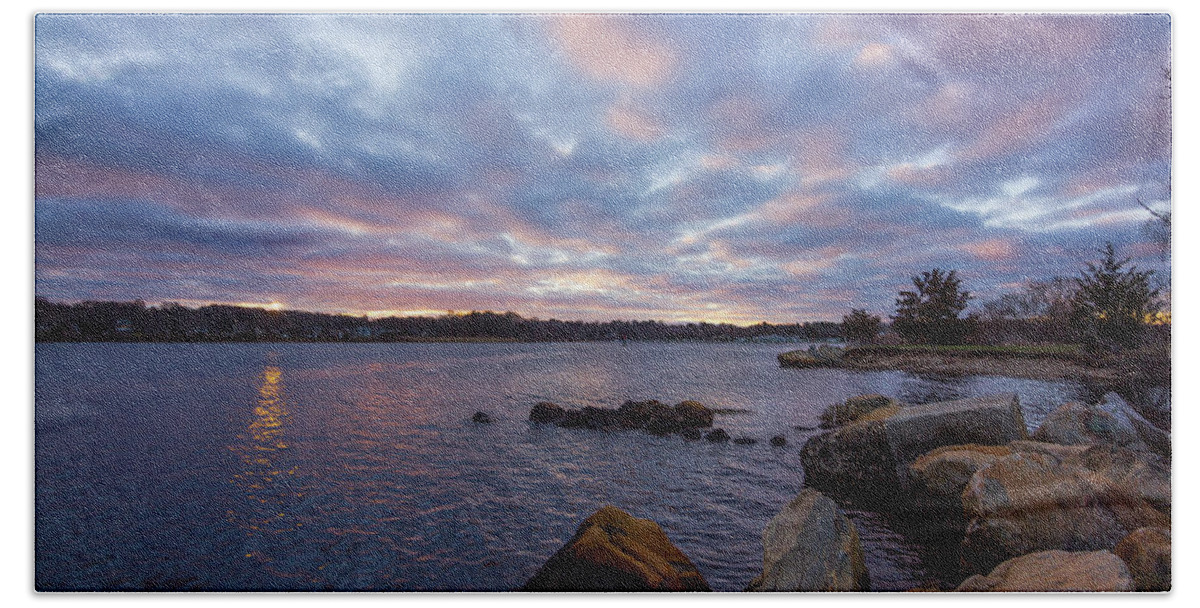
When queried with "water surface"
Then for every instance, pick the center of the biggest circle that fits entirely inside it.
(356, 466)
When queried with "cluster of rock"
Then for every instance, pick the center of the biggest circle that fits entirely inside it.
(1091, 479)
(685, 418)
(1084, 504)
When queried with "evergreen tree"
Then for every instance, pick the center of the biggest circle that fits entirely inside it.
(930, 314)
(1112, 301)
(858, 326)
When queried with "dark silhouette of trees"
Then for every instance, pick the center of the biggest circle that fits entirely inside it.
(1040, 312)
(1112, 301)
(171, 322)
(929, 315)
(860, 327)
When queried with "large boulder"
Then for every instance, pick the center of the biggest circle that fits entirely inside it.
(614, 551)
(854, 461)
(1073, 498)
(811, 546)
(1081, 424)
(1151, 434)
(1147, 554)
(852, 409)
(938, 478)
(1055, 571)
(869, 459)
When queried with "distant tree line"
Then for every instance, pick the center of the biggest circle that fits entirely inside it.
(137, 322)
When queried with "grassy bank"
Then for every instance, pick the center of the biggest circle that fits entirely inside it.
(1038, 362)
(1073, 352)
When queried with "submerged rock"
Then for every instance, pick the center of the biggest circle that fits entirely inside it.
(717, 436)
(1074, 498)
(481, 418)
(811, 546)
(869, 459)
(1147, 554)
(1055, 571)
(779, 441)
(614, 551)
(745, 441)
(546, 412)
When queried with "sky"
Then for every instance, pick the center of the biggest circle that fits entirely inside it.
(724, 168)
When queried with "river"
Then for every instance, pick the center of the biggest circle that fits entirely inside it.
(357, 466)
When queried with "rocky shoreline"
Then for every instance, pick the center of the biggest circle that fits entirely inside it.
(1081, 504)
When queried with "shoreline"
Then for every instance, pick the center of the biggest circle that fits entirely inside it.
(1030, 363)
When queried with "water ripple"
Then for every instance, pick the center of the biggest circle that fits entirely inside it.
(355, 467)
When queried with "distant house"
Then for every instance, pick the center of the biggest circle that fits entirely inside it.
(123, 326)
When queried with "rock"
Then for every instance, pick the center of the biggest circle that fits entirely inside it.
(938, 478)
(614, 551)
(869, 459)
(1147, 554)
(1151, 434)
(653, 416)
(745, 441)
(691, 434)
(640, 414)
(811, 546)
(693, 414)
(1080, 424)
(717, 436)
(1073, 498)
(481, 418)
(854, 461)
(664, 426)
(1055, 571)
(946, 470)
(546, 412)
(779, 441)
(589, 417)
(853, 408)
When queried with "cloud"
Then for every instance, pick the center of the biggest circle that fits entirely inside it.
(684, 167)
(609, 47)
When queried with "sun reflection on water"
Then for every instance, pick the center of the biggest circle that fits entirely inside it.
(267, 478)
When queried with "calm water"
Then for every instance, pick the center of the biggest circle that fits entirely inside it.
(308, 466)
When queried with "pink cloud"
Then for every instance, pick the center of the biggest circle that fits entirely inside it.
(608, 47)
